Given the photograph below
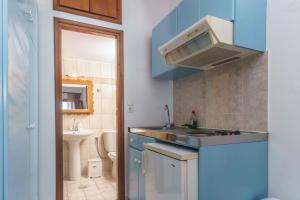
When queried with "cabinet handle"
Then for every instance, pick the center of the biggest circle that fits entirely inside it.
(131, 140)
(31, 126)
(144, 162)
(28, 15)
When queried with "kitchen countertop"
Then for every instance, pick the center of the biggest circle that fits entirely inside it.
(195, 138)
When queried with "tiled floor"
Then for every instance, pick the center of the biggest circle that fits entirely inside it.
(90, 189)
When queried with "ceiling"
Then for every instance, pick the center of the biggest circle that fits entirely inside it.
(88, 47)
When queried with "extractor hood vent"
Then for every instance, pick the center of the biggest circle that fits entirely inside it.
(205, 45)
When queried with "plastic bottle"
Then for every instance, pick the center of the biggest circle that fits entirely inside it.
(193, 120)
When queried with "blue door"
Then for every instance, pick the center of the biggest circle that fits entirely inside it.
(133, 174)
(141, 177)
(163, 32)
(20, 95)
(219, 8)
(188, 14)
(250, 24)
(2, 64)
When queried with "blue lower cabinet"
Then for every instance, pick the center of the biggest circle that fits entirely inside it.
(136, 179)
(250, 24)
(133, 174)
(234, 172)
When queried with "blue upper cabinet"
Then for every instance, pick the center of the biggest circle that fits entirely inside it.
(219, 8)
(249, 17)
(250, 24)
(163, 32)
(188, 14)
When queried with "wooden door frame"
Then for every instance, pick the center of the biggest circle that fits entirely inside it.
(63, 24)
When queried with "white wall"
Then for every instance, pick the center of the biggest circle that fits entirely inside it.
(284, 98)
(147, 94)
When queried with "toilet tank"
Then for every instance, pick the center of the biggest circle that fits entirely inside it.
(110, 143)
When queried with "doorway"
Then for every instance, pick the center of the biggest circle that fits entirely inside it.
(89, 110)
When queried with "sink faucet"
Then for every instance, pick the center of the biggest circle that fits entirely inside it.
(168, 124)
(74, 125)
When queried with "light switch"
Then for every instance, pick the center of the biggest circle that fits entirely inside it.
(130, 107)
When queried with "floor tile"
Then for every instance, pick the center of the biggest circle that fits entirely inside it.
(103, 188)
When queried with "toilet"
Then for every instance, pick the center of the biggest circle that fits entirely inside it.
(109, 140)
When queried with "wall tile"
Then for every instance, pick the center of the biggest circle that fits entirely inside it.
(102, 75)
(107, 106)
(107, 120)
(107, 91)
(234, 96)
(96, 121)
(106, 70)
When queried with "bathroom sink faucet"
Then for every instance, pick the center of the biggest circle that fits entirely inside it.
(168, 124)
(74, 125)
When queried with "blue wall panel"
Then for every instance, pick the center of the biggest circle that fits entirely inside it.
(234, 172)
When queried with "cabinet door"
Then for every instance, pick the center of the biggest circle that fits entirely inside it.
(77, 4)
(250, 24)
(21, 117)
(2, 63)
(141, 177)
(188, 14)
(104, 7)
(133, 174)
(219, 8)
(163, 32)
(165, 177)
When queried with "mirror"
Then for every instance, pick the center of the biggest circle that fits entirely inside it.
(77, 96)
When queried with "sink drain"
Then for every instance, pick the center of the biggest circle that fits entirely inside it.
(82, 186)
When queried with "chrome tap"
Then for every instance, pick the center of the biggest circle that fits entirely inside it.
(74, 125)
(168, 124)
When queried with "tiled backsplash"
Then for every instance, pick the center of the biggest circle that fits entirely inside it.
(104, 116)
(234, 96)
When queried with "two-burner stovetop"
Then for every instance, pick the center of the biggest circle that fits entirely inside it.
(215, 132)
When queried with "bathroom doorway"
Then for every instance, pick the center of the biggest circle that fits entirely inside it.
(89, 112)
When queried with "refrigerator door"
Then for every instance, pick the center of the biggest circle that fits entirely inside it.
(165, 177)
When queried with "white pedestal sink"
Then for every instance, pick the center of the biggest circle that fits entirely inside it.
(73, 138)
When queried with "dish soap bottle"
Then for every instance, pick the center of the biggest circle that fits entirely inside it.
(193, 120)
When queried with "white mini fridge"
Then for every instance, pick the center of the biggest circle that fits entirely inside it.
(171, 172)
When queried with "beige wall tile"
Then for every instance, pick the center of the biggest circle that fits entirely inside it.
(234, 96)
(107, 106)
(102, 74)
(107, 121)
(107, 70)
(96, 121)
(107, 91)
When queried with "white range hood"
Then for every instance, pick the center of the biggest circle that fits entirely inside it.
(205, 45)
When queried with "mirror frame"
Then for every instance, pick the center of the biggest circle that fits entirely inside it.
(90, 94)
